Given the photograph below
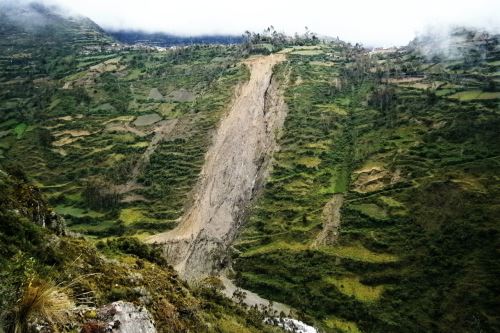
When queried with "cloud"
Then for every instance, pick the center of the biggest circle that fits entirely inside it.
(383, 22)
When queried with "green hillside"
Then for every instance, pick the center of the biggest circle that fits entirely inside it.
(43, 268)
(87, 127)
(379, 212)
(416, 158)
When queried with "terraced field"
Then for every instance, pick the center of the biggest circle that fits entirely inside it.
(379, 212)
(129, 127)
(411, 174)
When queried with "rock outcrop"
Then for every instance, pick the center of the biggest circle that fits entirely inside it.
(23, 198)
(125, 317)
(116, 317)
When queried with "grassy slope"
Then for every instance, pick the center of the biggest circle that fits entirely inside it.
(122, 269)
(414, 255)
(428, 217)
(83, 147)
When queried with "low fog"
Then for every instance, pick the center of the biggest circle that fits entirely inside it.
(373, 23)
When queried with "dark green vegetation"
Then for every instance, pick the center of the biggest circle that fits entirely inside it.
(417, 159)
(270, 40)
(88, 277)
(89, 125)
(115, 138)
(96, 134)
(165, 40)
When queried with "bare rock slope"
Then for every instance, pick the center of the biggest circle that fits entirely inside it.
(234, 169)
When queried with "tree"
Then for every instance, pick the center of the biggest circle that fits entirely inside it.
(491, 85)
(99, 194)
(383, 98)
(45, 137)
(239, 296)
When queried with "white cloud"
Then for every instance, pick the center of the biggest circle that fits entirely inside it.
(382, 22)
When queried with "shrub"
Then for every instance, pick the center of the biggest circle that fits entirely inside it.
(41, 299)
(99, 194)
(131, 245)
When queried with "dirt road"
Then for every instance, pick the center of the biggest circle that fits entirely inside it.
(234, 169)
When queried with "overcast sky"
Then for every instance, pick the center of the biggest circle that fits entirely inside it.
(372, 22)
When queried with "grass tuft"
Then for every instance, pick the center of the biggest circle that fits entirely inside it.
(44, 300)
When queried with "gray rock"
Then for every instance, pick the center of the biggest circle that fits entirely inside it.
(125, 317)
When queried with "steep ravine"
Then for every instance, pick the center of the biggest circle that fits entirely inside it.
(234, 169)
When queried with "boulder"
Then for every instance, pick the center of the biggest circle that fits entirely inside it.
(126, 317)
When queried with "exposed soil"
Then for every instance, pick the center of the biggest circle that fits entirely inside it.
(274, 309)
(181, 95)
(155, 94)
(120, 127)
(234, 169)
(374, 179)
(88, 77)
(147, 120)
(73, 133)
(408, 79)
(65, 141)
(331, 221)
(134, 198)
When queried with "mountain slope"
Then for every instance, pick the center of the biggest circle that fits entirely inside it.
(166, 40)
(122, 270)
(233, 172)
(36, 38)
(97, 137)
(416, 162)
(379, 212)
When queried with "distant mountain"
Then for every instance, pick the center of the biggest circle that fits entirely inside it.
(39, 23)
(459, 43)
(32, 35)
(31, 16)
(166, 40)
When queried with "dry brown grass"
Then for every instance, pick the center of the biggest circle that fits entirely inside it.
(42, 300)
